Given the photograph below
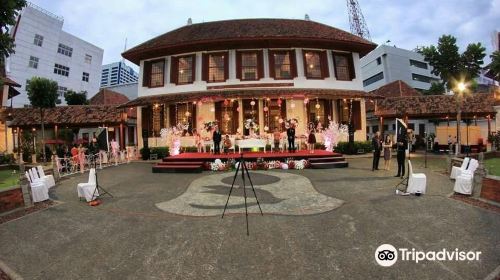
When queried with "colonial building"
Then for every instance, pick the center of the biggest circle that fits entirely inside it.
(268, 70)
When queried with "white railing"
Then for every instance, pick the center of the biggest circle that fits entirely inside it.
(79, 164)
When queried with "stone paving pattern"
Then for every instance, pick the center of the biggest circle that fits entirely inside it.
(128, 237)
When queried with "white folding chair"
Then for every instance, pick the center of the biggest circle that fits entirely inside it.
(417, 182)
(39, 191)
(463, 183)
(48, 178)
(88, 190)
(233, 146)
(456, 171)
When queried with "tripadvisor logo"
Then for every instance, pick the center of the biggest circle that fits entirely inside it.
(388, 255)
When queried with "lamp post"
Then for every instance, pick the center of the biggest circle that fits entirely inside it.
(461, 88)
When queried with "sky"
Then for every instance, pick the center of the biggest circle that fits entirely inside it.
(406, 23)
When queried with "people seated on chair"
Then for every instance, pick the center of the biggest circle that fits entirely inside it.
(198, 140)
(277, 138)
(227, 144)
(290, 133)
(217, 138)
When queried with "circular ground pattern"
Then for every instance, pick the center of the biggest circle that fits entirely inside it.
(278, 193)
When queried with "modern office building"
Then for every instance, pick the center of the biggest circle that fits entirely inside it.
(118, 73)
(387, 64)
(43, 49)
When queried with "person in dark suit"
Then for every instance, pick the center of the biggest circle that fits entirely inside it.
(401, 147)
(217, 137)
(376, 145)
(290, 133)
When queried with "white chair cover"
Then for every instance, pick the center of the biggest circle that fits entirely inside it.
(456, 171)
(49, 178)
(463, 183)
(39, 191)
(88, 190)
(417, 182)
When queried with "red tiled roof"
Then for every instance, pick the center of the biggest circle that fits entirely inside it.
(479, 104)
(249, 33)
(108, 97)
(74, 115)
(394, 89)
(214, 95)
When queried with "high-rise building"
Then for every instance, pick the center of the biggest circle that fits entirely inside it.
(43, 49)
(117, 73)
(387, 64)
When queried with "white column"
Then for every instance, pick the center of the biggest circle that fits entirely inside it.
(335, 116)
(300, 64)
(329, 57)
(265, 57)
(198, 67)
(168, 66)
(232, 66)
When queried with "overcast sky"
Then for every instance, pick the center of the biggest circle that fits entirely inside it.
(406, 23)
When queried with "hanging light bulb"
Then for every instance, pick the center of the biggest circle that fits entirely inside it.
(292, 105)
(252, 103)
(280, 120)
(188, 114)
(266, 109)
(266, 128)
(317, 106)
(212, 109)
(306, 100)
(194, 102)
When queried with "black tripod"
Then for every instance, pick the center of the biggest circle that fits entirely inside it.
(98, 191)
(244, 169)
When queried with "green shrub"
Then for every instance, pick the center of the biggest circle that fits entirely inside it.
(160, 151)
(360, 147)
(6, 158)
(191, 149)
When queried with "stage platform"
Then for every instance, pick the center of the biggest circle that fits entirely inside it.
(193, 162)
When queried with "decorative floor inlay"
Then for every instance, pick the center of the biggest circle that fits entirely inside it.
(278, 193)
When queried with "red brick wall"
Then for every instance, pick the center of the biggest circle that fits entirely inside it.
(491, 189)
(11, 199)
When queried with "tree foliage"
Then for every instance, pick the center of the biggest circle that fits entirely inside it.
(449, 64)
(42, 92)
(9, 9)
(495, 65)
(436, 88)
(76, 98)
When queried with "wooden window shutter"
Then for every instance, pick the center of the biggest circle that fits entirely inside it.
(174, 70)
(328, 110)
(260, 64)
(146, 76)
(193, 67)
(356, 115)
(204, 67)
(218, 112)
(272, 73)
(238, 65)
(293, 64)
(324, 65)
(226, 65)
(235, 117)
(352, 70)
(193, 116)
(334, 66)
(283, 113)
(162, 116)
(171, 115)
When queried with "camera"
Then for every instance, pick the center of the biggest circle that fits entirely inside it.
(386, 255)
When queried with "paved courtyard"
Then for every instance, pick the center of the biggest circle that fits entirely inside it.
(317, 224)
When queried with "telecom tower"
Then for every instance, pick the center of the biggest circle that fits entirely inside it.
(357, 20)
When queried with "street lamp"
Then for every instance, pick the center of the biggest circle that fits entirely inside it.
(461, 87)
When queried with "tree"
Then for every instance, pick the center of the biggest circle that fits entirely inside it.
(42, 94)
(436, 88)
(9, 9)
(76, 98)
(495, 65)
(449, 64)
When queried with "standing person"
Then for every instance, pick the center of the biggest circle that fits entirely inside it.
(290, 133)
(227, 144)
(216, 137)
(376, 145)
(311, 138)
(387, 146)
(401, 147)
(277, 139)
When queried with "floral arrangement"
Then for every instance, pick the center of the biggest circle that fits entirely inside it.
(182, 126)
(251, 124)
(260, 164)
(209, 125)
(291, 121)
(333, 133)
